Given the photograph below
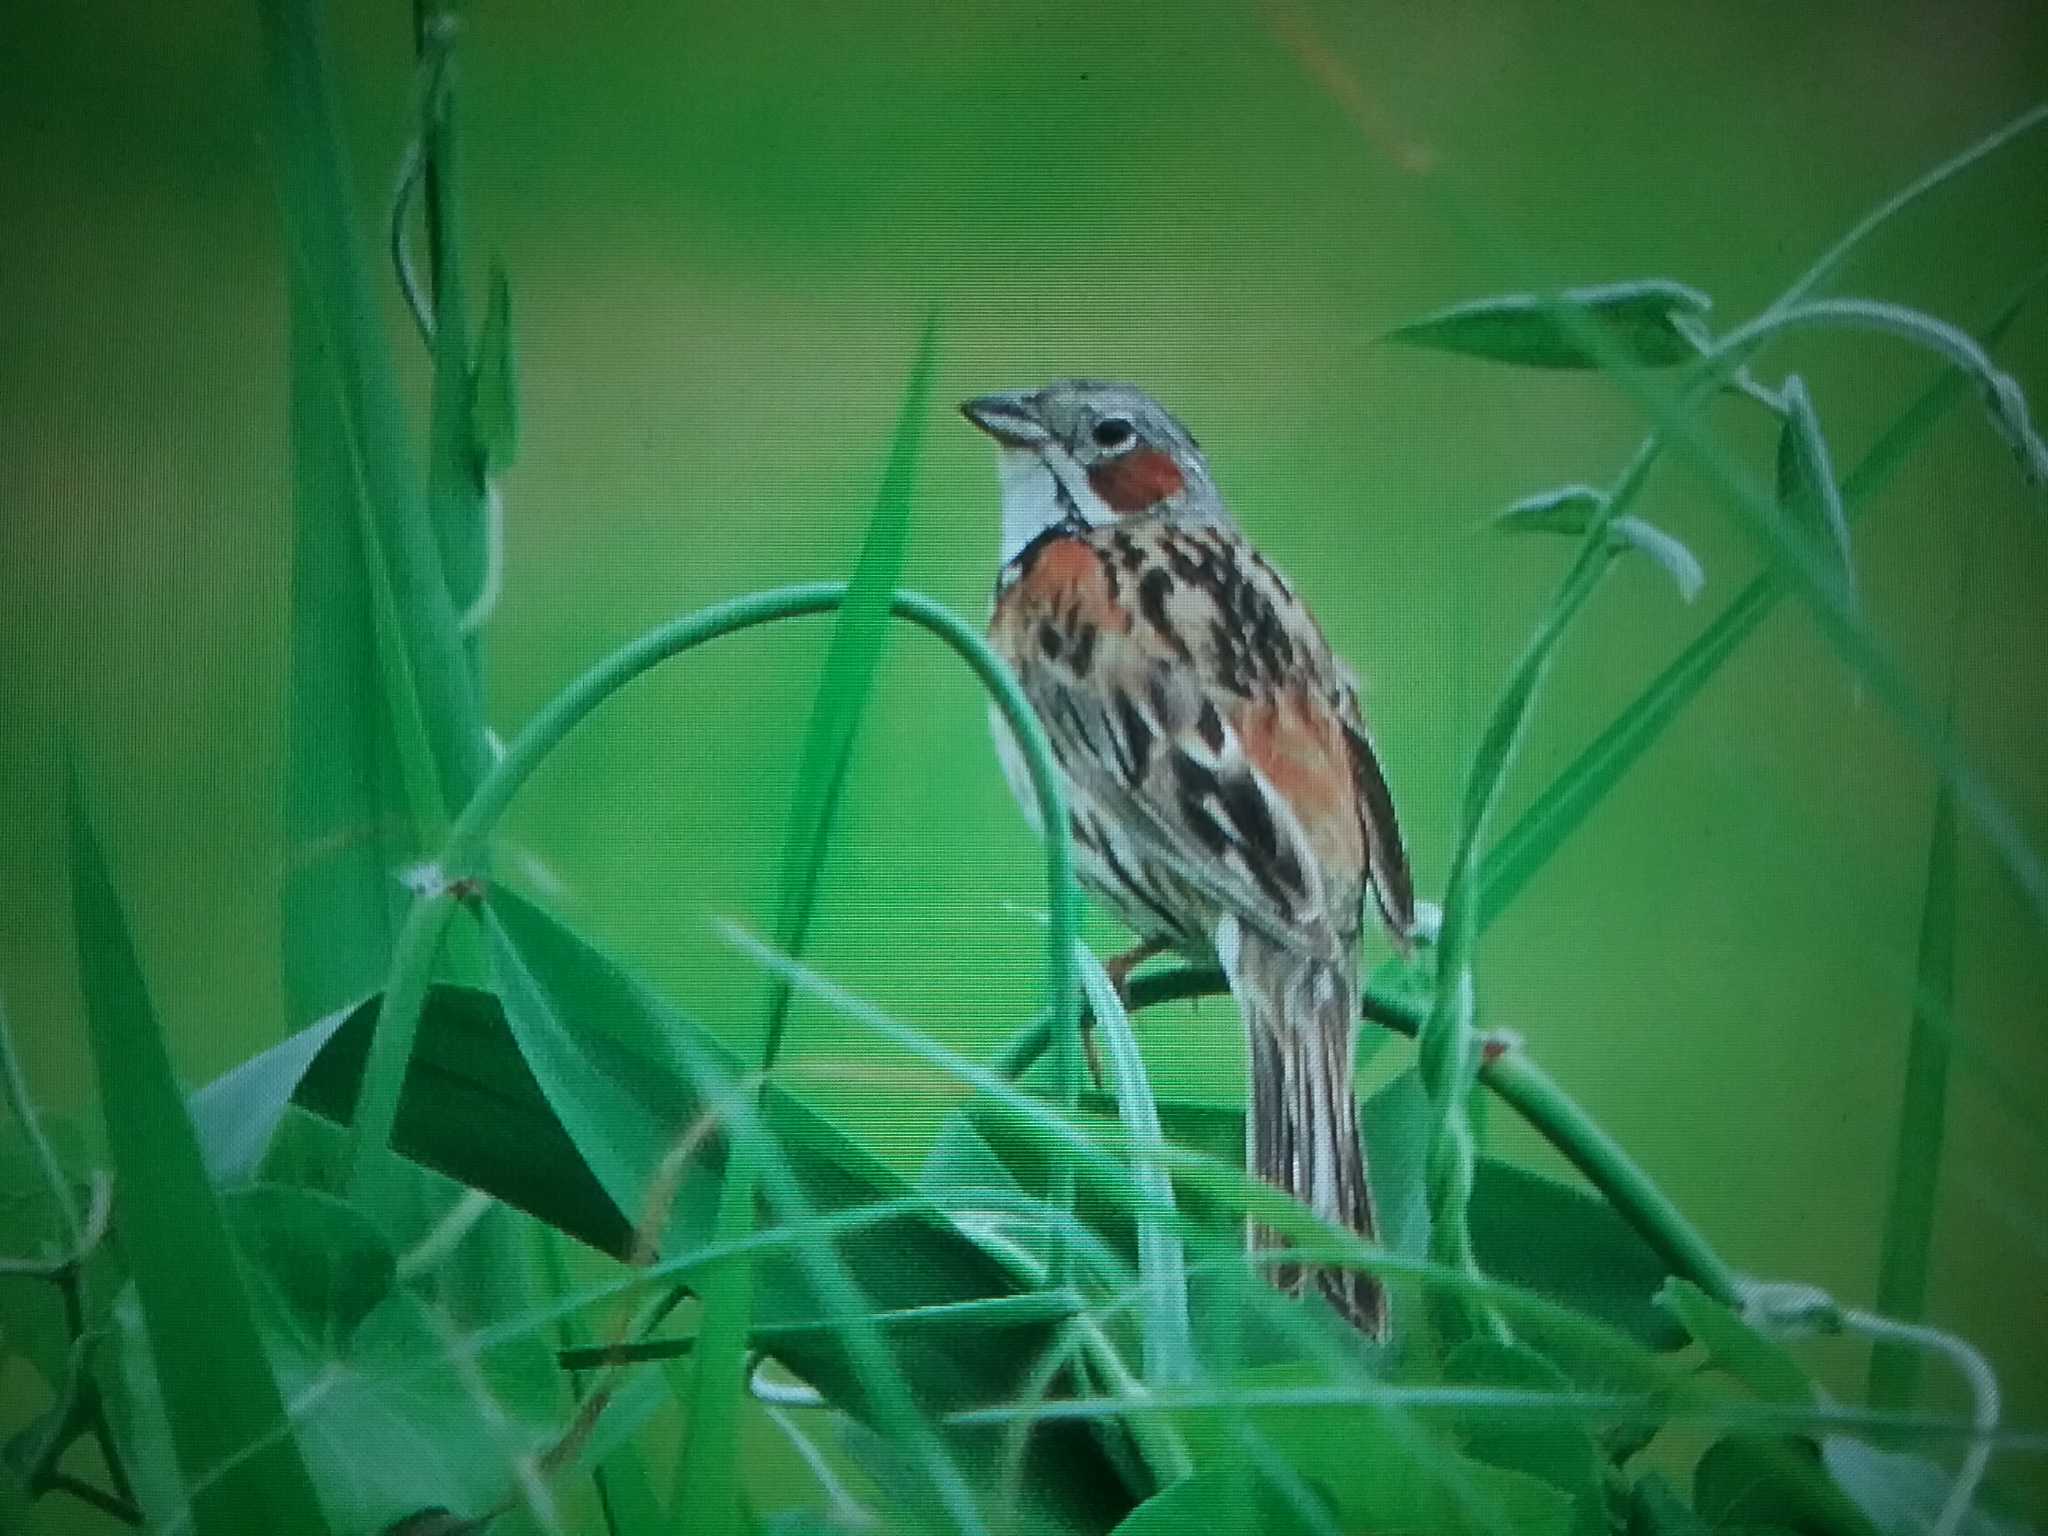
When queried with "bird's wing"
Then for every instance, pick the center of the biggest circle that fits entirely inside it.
(1196, 708)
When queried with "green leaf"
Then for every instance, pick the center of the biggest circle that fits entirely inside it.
(1772, 1482)
(1808, 497)
(1753, 1358)
(390, 1419)
(1652, 324)
(1678, 562)
(386, 731)
(237, 1114)
(494, 392)
(1574, 509)
(473, 1108)
(1656, 1509)
(1379, 1470)
(1560, 1451)
(1192, 1504)
(1557, 811)
(1569, 509)
(236, 1450)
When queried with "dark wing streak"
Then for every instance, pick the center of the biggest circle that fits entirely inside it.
(1393, 884)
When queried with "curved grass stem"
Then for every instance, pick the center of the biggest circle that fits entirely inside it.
(468, 837)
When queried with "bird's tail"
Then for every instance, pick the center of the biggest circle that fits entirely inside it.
(1301, 1131)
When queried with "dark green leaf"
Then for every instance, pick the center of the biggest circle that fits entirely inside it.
(1646, 323)
(1808, 497)
(1772, 1482)
(1655, 1509)
(236, 1449)
(1560, 1450)
(473, 1109)
(1753, 1358)
(494, 408)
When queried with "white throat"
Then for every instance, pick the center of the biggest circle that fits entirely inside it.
(1031, 485)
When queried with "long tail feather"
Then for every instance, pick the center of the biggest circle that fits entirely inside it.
(1301, 1131)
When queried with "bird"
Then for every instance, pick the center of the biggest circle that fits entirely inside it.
(1224, 794)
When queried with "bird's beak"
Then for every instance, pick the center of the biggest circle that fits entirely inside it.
(1008, 418)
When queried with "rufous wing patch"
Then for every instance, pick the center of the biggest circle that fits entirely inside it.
(1136, 481)
(1300, 750)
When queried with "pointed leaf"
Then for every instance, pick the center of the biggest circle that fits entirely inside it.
(237, 1452)
(1646, 323)
(1808, 497)
(237, 1113)
(1679, 563)
(1570, 509)
(494, 397)
(1573, 509)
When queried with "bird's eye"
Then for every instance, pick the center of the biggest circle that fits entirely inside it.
(1114, 432)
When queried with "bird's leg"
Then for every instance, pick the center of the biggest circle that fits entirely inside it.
(1118, 969)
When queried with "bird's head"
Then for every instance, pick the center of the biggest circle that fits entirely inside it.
(1085, 453)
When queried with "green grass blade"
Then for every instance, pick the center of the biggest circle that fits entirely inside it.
(237, 1452)
(1911, 1205)
(1916, 1159)
(1556, 813)
(1166, 1335)
(707, 1485)
(848, 679)
(386, 732)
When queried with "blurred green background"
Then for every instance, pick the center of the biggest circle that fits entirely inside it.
(723, 223)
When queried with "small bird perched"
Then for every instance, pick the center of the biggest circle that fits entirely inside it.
(1223, 793)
